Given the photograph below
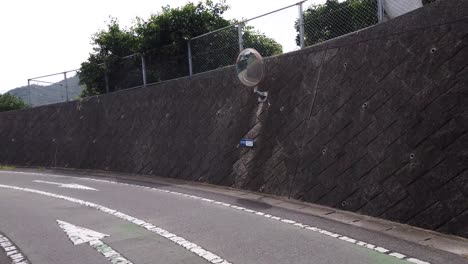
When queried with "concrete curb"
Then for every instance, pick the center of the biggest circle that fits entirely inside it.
(444, 242)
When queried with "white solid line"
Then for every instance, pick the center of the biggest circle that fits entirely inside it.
(196, 249)
(286, 221)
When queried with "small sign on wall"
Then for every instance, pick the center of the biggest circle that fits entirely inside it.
(247, 142)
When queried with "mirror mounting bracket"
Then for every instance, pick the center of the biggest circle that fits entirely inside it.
(262, 96)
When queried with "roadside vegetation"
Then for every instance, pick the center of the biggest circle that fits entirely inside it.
(9, 102)
(336, 18)
(4, 167)
(162, 39)
(115, 61)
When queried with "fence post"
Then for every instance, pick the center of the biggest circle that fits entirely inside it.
(143, 69)
(301, 25)
(106, 78)
(66, 84)
(380, 10)
(189, 52)
(29, 92)
(241, 40)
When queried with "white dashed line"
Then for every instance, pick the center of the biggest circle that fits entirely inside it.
(286, 221)
(397, 255)
(194, 248)
(12, 251)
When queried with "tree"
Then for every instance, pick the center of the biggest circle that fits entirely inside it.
(265, 45)
(162, 40)
(9, 102)
(109, 46)
(222, 47)
(334, 19)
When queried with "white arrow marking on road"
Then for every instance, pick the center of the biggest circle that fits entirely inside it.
(68, 185)
(194, 248)
(79, 235)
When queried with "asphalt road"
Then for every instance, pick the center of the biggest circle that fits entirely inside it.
(151, 223)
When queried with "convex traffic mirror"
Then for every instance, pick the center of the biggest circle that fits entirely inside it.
(250, 70)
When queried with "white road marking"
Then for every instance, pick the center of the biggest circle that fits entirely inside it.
(417, 261)
(192, 247)
(79, 235)
(68, 185)
(396, 255)
(12, 251)
(286, 221)
(258, 213)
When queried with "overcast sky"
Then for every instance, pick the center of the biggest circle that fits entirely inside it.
(49, 36)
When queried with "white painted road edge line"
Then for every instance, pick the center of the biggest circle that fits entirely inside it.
(12, 251)
(194, 248)
(286, 221)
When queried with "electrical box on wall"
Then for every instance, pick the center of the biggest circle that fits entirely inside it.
(247, 142)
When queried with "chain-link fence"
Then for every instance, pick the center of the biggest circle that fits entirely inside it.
(166, 63)
(137, 70)
(290, 28)
(215, 49)
(270, 34)
(53, 88)
(336, 18)
(317, 23)
(123, 72)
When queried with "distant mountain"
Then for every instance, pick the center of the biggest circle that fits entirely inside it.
(55, 93)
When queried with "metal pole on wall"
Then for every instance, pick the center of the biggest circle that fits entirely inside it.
(189, 52)
(106, 79)
(241, 40)
(66, 85)
(29, 91)
(143, 69)
(380, 10)
(301, 25)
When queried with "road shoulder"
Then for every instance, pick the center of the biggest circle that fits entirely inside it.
(448, 243)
